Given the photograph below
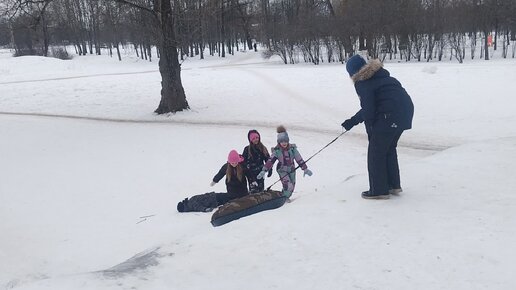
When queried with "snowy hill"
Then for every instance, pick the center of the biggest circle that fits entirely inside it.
(73, 191)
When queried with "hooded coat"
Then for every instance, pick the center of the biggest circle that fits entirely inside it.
(385, 105)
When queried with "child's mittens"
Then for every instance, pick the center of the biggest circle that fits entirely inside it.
(212, 183)
(261, 174)
(307, 172)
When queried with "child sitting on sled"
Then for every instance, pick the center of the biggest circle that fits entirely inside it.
(236, 186)
(236, 176)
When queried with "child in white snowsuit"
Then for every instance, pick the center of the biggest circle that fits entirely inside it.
(285, 153)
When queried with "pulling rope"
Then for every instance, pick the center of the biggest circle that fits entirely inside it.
(306, 161)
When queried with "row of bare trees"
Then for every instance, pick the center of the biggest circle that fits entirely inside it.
(297, 30)
(311, 30)
(324, 30)
(91, 26)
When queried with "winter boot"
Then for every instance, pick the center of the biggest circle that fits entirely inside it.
(395, 191)
(182, 205)
(367, 195)
(286, 193)
(254, 188)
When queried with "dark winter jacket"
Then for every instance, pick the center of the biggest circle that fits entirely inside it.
(235, 187)
(254, 158)
(386, 106)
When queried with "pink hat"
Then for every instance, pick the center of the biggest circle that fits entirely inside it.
(234, 157)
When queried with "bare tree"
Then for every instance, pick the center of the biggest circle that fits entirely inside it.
(173, 98)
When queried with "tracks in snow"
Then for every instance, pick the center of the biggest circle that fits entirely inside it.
(124, 73)
(283, 91)
(236, 124)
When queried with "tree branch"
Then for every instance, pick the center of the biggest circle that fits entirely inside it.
(14, 7)
(137, 6)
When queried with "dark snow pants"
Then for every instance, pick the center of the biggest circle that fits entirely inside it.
(258, 188)
(260, 182)
(382, 161)
(205, 202)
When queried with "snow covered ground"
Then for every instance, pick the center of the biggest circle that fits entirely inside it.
(83, 159)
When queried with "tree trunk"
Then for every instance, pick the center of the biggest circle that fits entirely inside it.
(45, 35)
(90, 44)
(84, 48)
(222, 31)
(173, 98)
(118, 52)
(361, 42)
(486, 45)
(473, 44)
(496, 35)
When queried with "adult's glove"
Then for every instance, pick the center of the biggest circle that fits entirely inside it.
(307, 172)
(261, 174)
(348, 124)
(269, 173)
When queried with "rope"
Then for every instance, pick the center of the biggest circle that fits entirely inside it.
(306, 161)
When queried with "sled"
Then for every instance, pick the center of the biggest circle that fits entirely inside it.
(247, 205)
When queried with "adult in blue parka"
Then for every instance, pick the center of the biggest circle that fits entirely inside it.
(386, 110)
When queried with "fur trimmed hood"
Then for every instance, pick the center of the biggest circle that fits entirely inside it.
(367, 71)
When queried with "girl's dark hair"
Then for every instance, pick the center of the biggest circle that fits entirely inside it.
(260, 147)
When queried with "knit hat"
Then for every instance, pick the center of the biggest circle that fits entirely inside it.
(282, 134)
(252, 134)
(354, 64)
(234, 157)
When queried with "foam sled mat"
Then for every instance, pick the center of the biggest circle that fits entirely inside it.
(247, 205)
